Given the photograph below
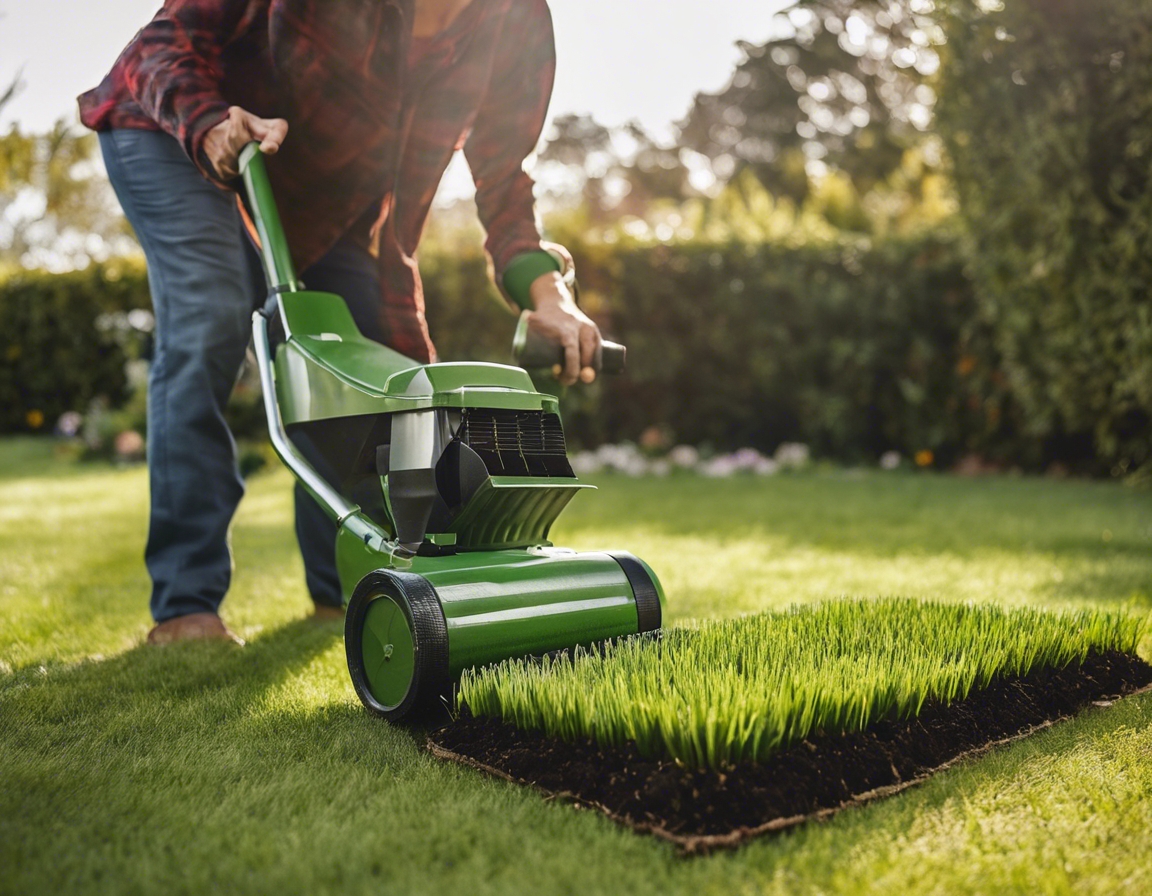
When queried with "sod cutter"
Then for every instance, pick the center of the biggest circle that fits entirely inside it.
(443, 481)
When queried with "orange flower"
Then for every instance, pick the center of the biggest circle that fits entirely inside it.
(924, 458)
(965, 365)
(34, 419)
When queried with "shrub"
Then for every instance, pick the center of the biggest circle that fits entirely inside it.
(65, 340)
(1046, 112)
(851, 348)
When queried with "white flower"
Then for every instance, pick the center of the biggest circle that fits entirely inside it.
(746, 458)
(719, 467)
(793, 455)
(634, 466)
(69, 424)
(684, 456)
(585, 463)
(766, 467)
(661, 467)
(890, 460)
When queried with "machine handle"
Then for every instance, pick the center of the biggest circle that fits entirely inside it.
(278, 268)
(533, 350)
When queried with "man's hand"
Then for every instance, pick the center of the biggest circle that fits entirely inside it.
(224, 142)
(558, 317)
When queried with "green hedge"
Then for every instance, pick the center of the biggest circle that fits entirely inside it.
(854, 350)
(65, 340)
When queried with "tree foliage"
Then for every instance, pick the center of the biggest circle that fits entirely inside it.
(56, 207)
(843, 83)
(1047, 113)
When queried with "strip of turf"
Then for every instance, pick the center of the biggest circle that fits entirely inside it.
(731, 691)
(705, 809)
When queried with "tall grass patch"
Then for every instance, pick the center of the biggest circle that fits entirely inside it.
(737, 690)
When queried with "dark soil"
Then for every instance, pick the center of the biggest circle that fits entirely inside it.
(704, 809)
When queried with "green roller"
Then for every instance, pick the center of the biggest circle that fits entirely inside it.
(444, 481)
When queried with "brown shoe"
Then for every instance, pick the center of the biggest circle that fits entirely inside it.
(327, 613)
(193, 627)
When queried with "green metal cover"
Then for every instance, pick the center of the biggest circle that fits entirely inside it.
(499, 604)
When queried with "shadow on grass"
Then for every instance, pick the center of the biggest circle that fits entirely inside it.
(175, 677)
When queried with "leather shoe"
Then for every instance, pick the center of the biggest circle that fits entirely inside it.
(193, 627)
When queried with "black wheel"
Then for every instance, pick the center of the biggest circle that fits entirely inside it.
(396, 641)
(645, 590)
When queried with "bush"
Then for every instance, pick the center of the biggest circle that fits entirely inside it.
(1047, 115)
(855, 350)
(65, 340)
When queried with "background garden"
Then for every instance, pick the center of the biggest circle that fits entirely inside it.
(904, 226)
(909, 238)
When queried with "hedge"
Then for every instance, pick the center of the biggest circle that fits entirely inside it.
(852, 348)
(65, 340)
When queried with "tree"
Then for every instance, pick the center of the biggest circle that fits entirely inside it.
(845, 85)
(1046, 111)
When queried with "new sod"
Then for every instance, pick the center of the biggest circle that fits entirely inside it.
(741, 689)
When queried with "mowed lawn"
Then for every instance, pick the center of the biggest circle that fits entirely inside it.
(198, 768)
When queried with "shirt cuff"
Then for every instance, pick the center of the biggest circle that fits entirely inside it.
(525, 267)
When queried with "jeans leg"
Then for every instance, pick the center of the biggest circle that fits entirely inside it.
(201, 270)
(349, 271)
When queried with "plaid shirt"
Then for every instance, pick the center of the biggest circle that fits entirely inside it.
(369, 136)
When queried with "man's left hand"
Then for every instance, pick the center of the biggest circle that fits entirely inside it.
(558, 317)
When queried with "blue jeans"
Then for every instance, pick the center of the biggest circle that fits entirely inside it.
(205, 280)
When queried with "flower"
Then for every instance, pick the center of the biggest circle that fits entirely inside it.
(924, 458)
(69, 424)
(129, 445)
(34, 419)
(684, 456)
(585, 463)
(890, 460)
(719, 467)
(793, 455)
(765, 466)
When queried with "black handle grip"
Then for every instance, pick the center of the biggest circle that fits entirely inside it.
(534, 350)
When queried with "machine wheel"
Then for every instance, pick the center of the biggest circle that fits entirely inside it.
(396, 640)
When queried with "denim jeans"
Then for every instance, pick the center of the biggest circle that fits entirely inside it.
(205, 280)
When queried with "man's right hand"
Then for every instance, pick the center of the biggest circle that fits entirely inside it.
(222, 144)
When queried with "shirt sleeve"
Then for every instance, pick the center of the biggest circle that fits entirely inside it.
(506, 130)
(175, 72)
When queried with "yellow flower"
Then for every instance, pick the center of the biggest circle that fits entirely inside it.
(924, 458)
(34, 419)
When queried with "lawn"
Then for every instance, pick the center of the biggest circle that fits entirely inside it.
(124, 768)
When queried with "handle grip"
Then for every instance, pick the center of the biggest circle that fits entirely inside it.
(533, 350)
(277, 260)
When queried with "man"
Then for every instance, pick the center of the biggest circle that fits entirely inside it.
(362, 103)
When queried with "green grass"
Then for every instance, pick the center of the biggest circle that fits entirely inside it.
(741, 689)
(199, 768)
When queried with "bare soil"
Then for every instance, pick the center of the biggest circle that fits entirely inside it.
(705, 809)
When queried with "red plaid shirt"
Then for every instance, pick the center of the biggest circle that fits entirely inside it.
(366, 130)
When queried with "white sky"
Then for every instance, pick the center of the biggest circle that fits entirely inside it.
(618, 59)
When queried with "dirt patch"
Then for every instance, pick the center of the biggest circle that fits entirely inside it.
(700, 810)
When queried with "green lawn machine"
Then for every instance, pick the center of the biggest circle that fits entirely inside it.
(444, 481)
